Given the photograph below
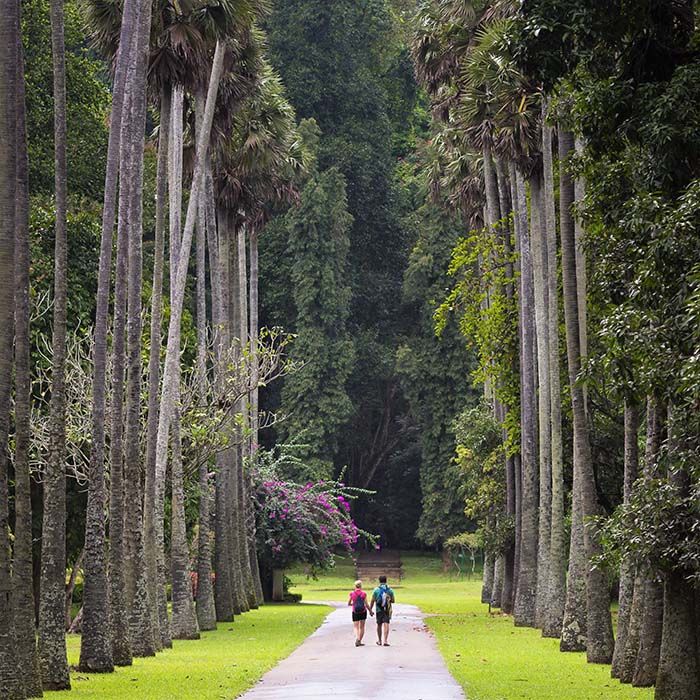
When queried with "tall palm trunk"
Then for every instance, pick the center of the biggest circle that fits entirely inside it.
(679, 666)
(554, 616)
(11, 685)
(599, 644)
(171, 374)
(119, 617)
(206, 613)
(24, 621)
(184, 620)
(650, 628)
(243, 495)
(154, 361)
(541, 286)
(219, 269)
(524, 612)
(254, 401)
(52, 641)
(626, 566)
(140, 618)
(96, 602)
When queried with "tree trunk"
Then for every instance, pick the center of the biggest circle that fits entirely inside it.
(184, 619)
(278, 585)
(171, 374)
(525, 599)
(245, 557)
(678, 668)
(647, 663)
(150, 547)
(52, 641)
(628, 660)
(626, 566)
(581, 274)
(497, 591)
(488, 576)
(599, 643)
(70, 587)
(678, 673)
(119, 618)
(219, 271)
(206, 613)
(554, 617)
(541, 287)
(137, 598)
(11, 681)
(96, 637)
(254, 402)
(24, 621)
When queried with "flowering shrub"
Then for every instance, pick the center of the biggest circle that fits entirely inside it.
(302, 523)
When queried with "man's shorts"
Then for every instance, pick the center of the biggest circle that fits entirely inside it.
(383, 618)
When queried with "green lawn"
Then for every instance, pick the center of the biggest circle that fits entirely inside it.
(222, 664)
(489, 657)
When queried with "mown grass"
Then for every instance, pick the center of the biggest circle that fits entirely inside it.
(222, 664)
(487, 654)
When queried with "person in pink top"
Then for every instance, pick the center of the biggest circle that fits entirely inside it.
(358, 600)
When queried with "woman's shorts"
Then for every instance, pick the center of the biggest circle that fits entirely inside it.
(356, 617)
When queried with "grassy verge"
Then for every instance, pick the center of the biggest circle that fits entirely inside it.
(489, 657)
(222, 664)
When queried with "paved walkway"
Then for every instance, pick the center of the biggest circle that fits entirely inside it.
(328, 666)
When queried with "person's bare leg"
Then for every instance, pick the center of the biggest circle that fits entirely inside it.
(385, 627)
(356, 626)
(379, 634)
(361, 630)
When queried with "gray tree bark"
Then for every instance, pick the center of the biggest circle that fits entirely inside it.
(11, 685)
(119, 617)
(52, 642)
(206, 613)
(24, 621)
(599, 643)
(556, 597)
(154, 362)
(525, 599)
(626, 567)
(184, 619)
(171, 374)
(541, 287)
(96, 637)
(140, 618)
(487, 579)
(650, 630)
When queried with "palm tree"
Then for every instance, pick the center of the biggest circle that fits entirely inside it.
(599, 644)
(631, 418)
(95, 594)
(52, 642)
(24, 618)
(557, 550)
(11, 685)
(171, 374)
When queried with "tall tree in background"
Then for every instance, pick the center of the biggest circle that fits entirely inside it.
(22, 568)
(332, 58)
(319, 245)
(52, 642)
(10, 681)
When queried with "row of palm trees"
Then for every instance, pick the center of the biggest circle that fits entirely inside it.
(497, 144)
(226, 135)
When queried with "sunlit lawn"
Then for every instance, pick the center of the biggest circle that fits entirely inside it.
(222, 664)
(489, 657)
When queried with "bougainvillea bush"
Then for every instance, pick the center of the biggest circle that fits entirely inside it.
(303, 523)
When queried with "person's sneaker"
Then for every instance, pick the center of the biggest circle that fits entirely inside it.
(379, 644)
(386, 644)
(358, 643)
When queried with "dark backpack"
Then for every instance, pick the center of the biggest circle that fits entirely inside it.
(358, 604)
